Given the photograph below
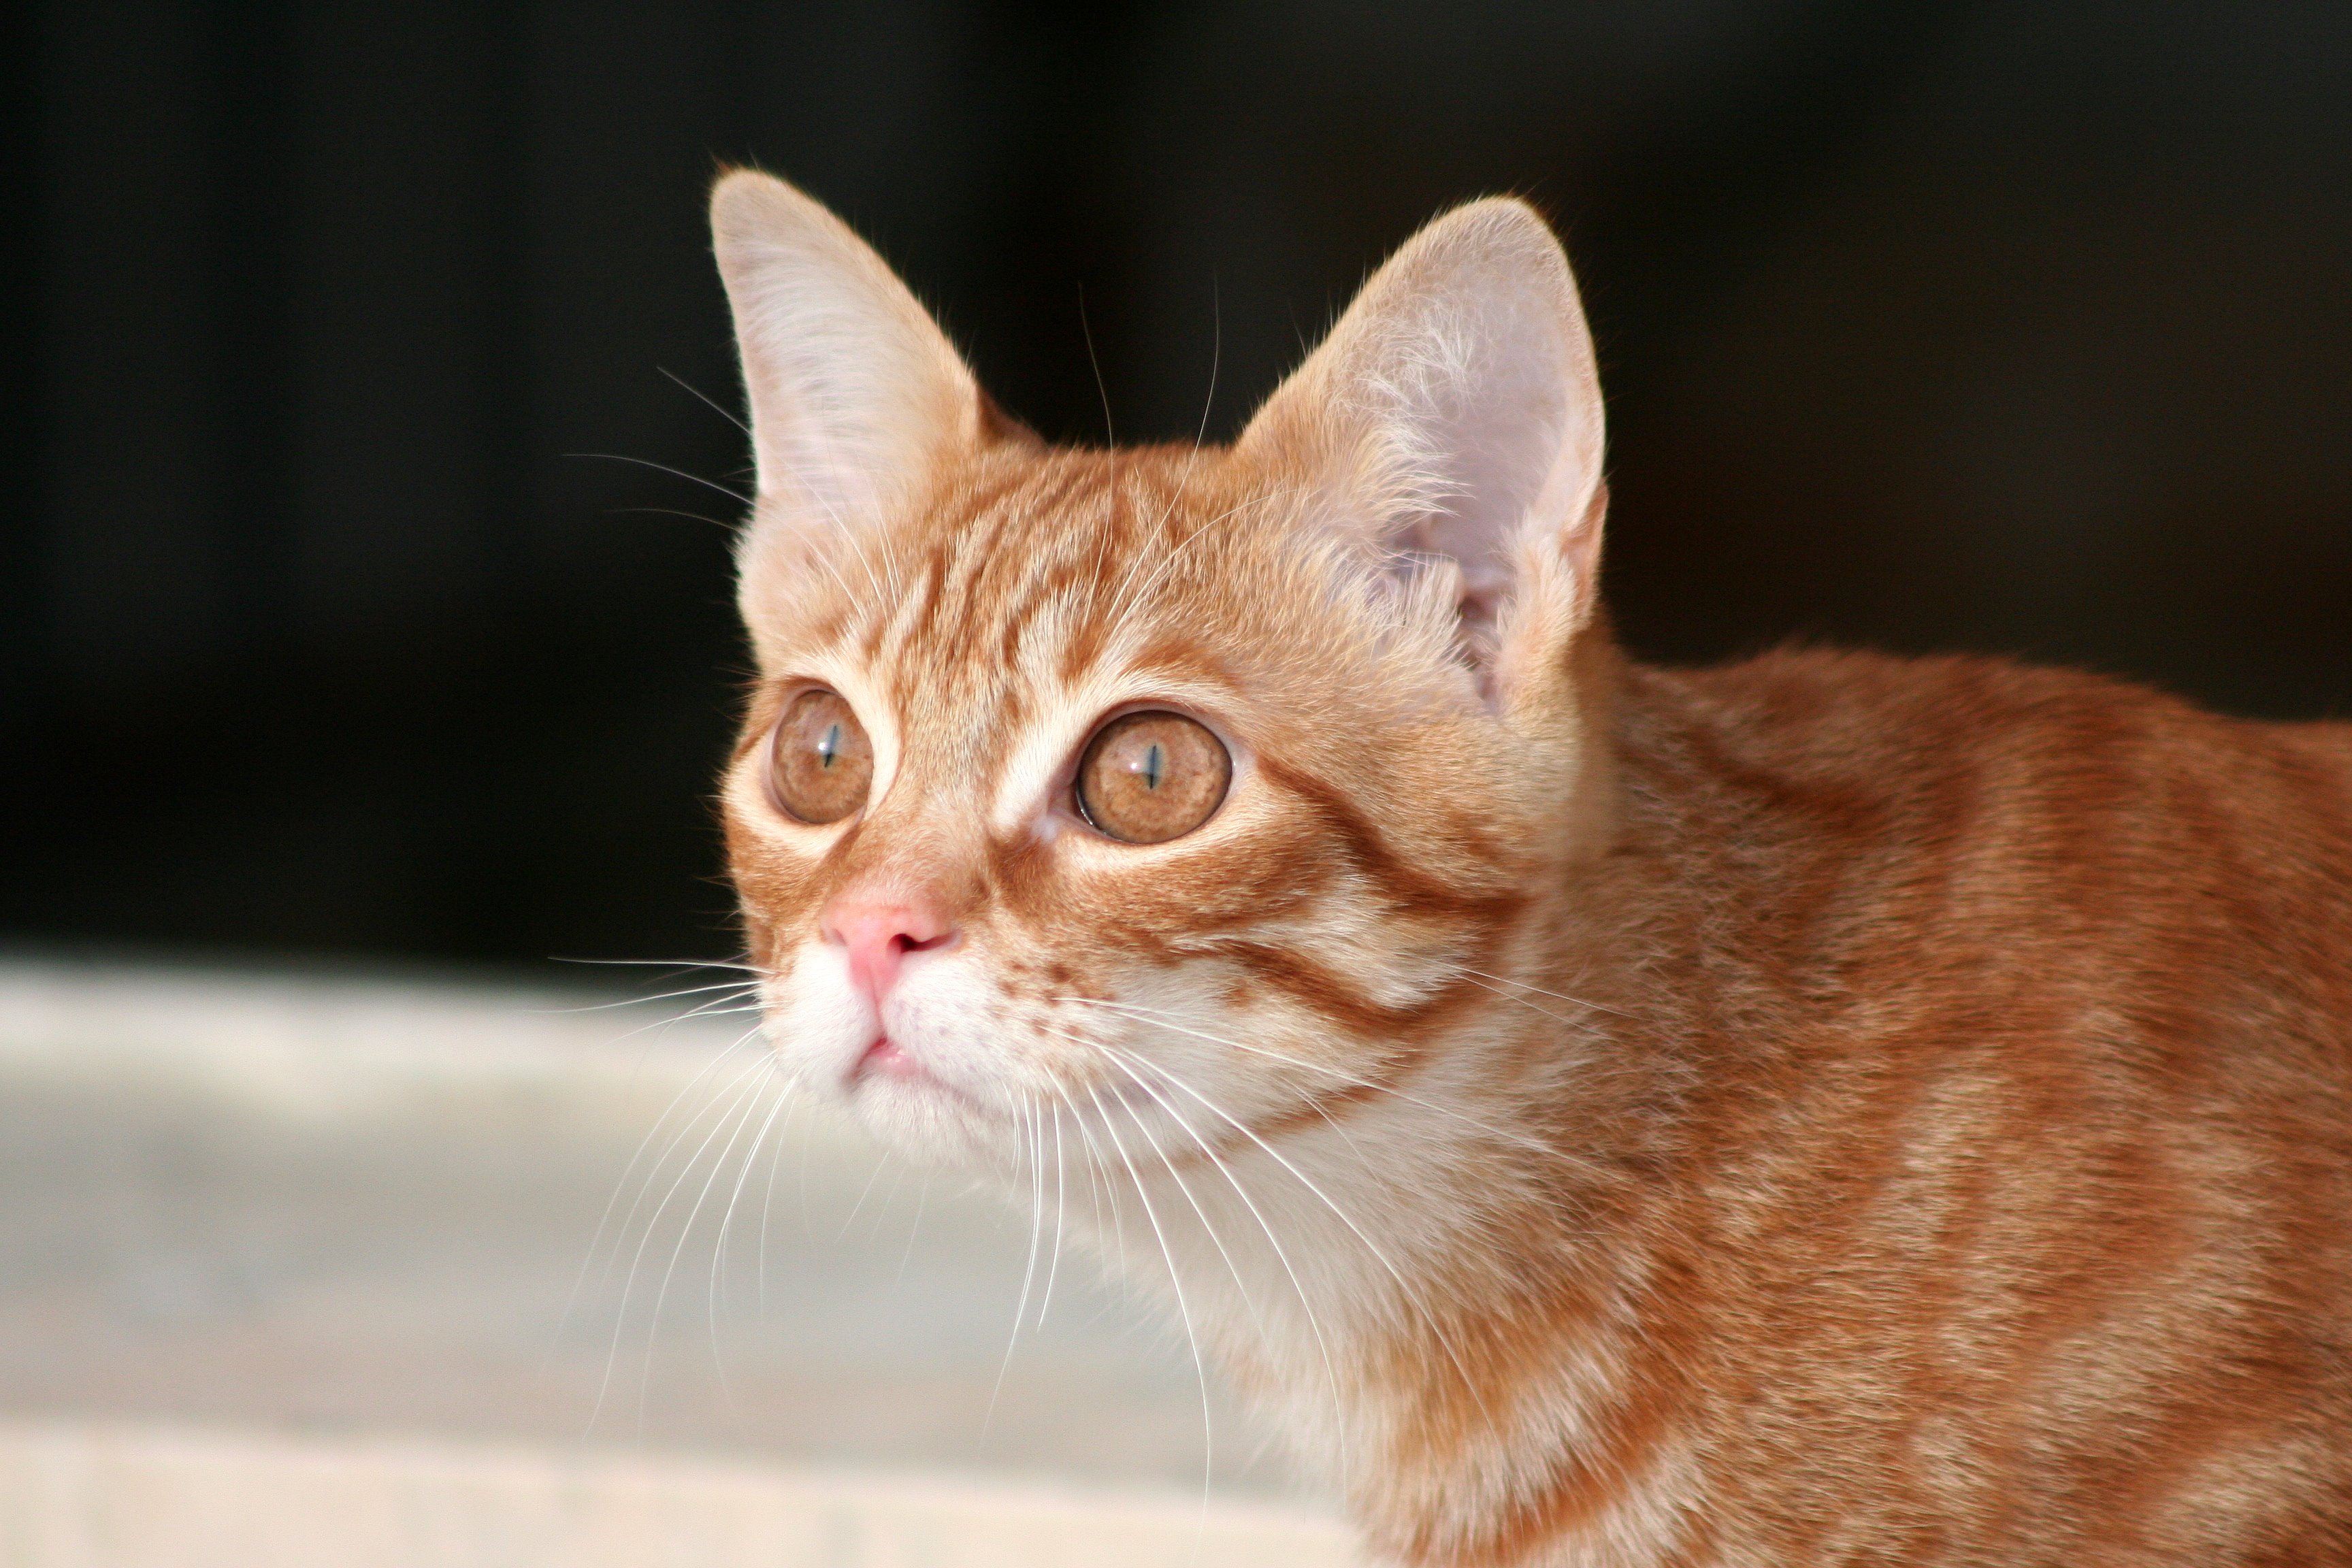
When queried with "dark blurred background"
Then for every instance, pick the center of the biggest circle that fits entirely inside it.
(2023, 327)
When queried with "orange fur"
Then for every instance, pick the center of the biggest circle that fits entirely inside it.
(1828, 1109)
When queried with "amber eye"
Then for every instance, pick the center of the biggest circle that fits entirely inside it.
(822, 762)
(1150, 777)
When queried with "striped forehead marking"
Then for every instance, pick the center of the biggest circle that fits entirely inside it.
(984, 573)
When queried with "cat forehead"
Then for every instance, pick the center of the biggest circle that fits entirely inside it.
(1046, 573)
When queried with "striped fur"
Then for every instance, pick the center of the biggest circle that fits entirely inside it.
(1827, 1109)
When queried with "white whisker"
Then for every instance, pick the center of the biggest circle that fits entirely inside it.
(768, 1202)
(1029, 1268)
(1240, 1284)
(1121, 601)
(863, 1193)
(746, 1105)
(922, 1197)
(1305, 1302)
(719, 1252)
(1100, 1189)
(664, 964)
(697, 393)
(628, 1285)
(1411, 1294)
(740, 988)
(890, 1197)
(603, 1220)
(664, 468)
(1159, 1020)
(1176, 1283)
(1061, 1214)
(1555, 995)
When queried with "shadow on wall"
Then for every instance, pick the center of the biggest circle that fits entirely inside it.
(1991, 325)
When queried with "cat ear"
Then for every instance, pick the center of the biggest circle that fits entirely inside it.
(855, 391)
(1456, 410)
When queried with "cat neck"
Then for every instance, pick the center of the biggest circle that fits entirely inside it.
(1471, 1279)
(1450, 1281)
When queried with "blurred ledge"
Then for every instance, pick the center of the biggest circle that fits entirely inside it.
(326, 1202)
(77, 1495)
(290, 1034)
(325, 1047)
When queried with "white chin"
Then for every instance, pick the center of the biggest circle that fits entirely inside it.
(921, 1120)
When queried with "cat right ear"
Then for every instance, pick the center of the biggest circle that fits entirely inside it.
(854, 392)
(1454, 411)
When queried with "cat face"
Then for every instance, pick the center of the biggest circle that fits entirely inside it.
(1168, 799)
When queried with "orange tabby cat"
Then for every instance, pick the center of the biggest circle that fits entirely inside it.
(1828, 1109)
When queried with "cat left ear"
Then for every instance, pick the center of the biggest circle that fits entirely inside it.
(855, 391)
(1455, 411)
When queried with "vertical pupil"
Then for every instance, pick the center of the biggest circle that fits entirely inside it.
(830, 747)
(1151, 767)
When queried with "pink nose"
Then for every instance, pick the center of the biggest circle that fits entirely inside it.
(879, 932)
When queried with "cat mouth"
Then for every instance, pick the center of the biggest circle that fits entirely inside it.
(889, 1060)
(885, 1062)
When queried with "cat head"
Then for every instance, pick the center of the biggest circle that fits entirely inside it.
(1189, 792)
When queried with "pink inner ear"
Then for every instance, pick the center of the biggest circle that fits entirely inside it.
(853, 387)
(1493, 440)
(1456, 403)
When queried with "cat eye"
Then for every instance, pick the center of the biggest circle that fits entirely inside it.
(820, 763)
(1146, 778)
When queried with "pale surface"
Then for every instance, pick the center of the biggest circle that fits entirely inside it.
(313, 1207)
(110, 1499)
